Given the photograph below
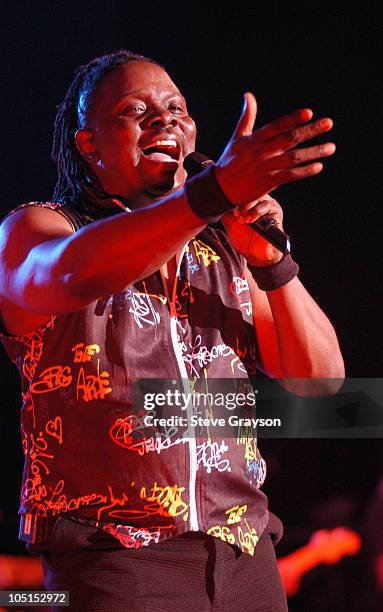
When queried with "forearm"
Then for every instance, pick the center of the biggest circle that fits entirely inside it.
(106, 256)
(131, 246)
(308, 346)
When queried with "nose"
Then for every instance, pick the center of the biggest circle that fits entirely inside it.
(160, 117)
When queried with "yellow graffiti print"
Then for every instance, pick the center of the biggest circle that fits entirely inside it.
(249, 442)
(169, 498)
(205, 252)
(235, 514)
(222, 532)
(248, 539)
(247, 536)
(84, 353)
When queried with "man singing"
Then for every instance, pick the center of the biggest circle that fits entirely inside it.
(122, 278)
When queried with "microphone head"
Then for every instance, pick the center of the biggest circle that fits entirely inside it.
(195, 162)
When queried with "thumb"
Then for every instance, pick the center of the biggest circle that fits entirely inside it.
(246, 121)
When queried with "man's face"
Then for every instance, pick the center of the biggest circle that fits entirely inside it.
(141, 132)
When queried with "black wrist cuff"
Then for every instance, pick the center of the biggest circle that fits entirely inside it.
(277, 275)
(205, 196)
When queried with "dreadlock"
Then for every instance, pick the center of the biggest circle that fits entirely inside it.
(73, 171)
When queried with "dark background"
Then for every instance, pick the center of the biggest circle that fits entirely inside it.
(289, 57)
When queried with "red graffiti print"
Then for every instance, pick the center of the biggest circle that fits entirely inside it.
(54, 429)
(52, 378)
(93, 387)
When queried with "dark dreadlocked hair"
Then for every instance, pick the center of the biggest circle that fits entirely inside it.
(73, 171)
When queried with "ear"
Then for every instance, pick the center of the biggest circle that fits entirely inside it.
(85, 144)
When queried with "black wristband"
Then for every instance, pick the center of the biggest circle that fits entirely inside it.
(205, 196)
(277, 275)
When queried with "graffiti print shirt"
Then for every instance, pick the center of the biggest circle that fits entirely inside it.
(88, 452)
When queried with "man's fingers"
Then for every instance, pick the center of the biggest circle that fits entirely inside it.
(297, 157)
(268, 207)
(246, 121)
(258, 162)
(295, 136)
(283, 124)
(281, 177)
(244, 208)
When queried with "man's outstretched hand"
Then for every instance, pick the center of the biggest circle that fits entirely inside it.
(255, 163)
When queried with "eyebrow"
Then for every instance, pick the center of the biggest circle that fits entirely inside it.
(138, 91)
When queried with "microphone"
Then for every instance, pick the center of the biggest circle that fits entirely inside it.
(265, 226)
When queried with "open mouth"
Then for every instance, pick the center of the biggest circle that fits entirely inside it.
(163, 151)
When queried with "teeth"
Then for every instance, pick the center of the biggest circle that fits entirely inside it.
(166, 143)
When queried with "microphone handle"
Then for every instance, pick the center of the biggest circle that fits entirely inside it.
(265, 226)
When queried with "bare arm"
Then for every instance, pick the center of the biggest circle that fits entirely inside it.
(46, 269)
(295, 338)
